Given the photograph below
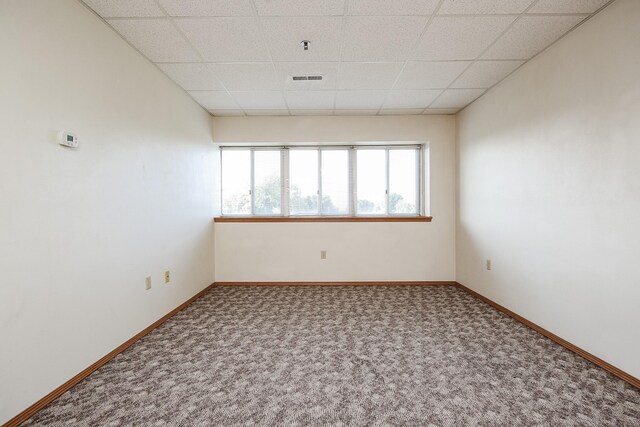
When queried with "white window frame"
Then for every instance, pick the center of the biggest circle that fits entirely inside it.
(422, 165)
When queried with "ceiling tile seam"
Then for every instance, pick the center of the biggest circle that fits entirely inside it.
(483, 52)
(175, 26)
(338, 62)
(502, 15)
(589, 16)
(326, 91)
(268, 46)
(343, 26)
(104, 20)
(411, 52)
(547, 15)
(441, 15)
(197, 52)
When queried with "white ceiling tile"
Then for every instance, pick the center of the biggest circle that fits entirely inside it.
(214, 100)
(267, 112)
(299, 7)
(285, 34)
(355, 112)
(207, 7)
(368, 75)
(227, 113)
(260, 100)
(446, 111)
(328, 71)
(125, 8)
(529, 35)
(157, 39)
(246, 76)
(401, 111)
(460, 37)
(479, 7)
(225, 39)
(410, 98)
(456, 98)
(484, 74)
(392, 7)
(359, 99)
(381, 38)
(192, 76)
(310, 100)
(311, 112)
(430, 75)
(360, 56)
(567, 6)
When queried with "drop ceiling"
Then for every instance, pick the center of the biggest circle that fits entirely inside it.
(236, 57)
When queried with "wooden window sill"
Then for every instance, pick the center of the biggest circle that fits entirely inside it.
(324, 219)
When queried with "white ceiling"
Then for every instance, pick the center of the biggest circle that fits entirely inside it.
(235, 57)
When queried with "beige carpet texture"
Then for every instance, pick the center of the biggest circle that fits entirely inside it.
(345, 356)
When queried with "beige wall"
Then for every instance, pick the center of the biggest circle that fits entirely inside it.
(80, 229)
(355, 251)
(549, 188)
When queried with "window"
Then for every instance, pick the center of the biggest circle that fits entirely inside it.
(300, 181)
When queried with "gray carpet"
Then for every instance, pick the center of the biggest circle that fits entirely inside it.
(345, 356)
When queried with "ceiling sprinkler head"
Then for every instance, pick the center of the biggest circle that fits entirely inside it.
(305, 44)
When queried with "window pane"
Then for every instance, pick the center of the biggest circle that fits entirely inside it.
(303, 182)
(335, 182)
(371, 181)
(267, 191)
(402, 181)
(236, 182)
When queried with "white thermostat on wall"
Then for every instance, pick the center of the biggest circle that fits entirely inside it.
(67, 139)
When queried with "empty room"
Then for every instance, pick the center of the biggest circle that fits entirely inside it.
(320, 213)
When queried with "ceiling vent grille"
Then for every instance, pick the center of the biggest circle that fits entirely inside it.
(314, 77)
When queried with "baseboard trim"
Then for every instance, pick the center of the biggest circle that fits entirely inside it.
(377, 283)
(33, 409)
(553, 337)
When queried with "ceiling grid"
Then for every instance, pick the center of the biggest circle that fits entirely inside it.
(236, 58)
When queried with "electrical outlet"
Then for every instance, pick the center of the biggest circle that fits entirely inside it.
(167, 276)
(488, 264)
(323, 254)
(147, 283)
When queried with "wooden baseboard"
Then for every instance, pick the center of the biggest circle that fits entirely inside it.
(553, 337)
(380, 283)
(31, 410)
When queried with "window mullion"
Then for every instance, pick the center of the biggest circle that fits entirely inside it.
(319, 182)
(386, 173)
(353, 192)
(252, 188)
(421, 177)
(284, 178)
(418, 182)
(425, 181)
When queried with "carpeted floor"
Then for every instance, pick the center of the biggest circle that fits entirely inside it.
(345, 356)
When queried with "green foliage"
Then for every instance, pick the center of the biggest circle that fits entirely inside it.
(397, 204)
(237, 204)
(365, 206)
(268, 197)
(300, 204)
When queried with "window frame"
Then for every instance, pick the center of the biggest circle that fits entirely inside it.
(421, 176)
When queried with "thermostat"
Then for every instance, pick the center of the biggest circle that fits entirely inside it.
(67, 139)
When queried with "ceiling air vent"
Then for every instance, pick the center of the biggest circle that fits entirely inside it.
(315, 77)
